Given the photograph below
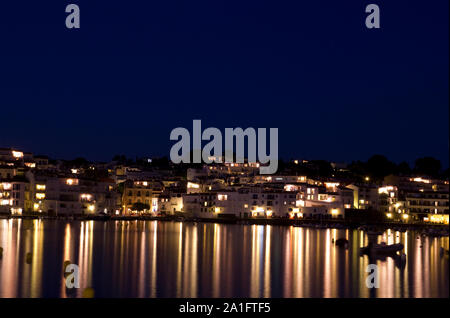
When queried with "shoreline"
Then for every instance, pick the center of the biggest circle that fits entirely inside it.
(433, 229)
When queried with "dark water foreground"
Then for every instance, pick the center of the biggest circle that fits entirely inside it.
(174, 259)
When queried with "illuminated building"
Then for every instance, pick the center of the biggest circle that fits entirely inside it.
(144, 192)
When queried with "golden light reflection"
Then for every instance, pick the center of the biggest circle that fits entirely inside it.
(154, 260)
(36, 263)
(166, 259)
(85, 255)
(216, 261)
(8, 268)
(142, 263)
(267, 265)
(179, 259)
(67, 256)
(256, 264)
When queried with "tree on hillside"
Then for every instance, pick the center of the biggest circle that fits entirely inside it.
(428, 166)
(379, 166)
(403, 169)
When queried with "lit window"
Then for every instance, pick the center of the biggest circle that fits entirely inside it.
(191, 185)
(6, 186)
(72, 182)
(17, 154)
(85, 197)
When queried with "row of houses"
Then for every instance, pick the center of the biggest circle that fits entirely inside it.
(31, 184)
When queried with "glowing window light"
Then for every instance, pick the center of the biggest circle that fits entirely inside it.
(405, 216)
(245, 206)
(269, 213)
(222, 197)
(16, 211)
(5, 202)
(72, 182)
(439, 218)
(91, 208)
(420, 180)
(217, 210)
(385, 190)
(86, 197)
(6, 186)
(191, 185)
(290, 187)
(40, 187)
(389, 215)
(17, 154)
(40, 196)
(332, 185)
(35, 206)
(257, 210)
(334, 211)
(154, 204)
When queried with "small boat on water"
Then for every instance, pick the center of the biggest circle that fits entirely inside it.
(382, 248)
(341, 242)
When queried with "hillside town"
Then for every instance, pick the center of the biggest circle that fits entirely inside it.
(35, 185)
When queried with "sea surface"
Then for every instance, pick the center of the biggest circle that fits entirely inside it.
(185, 259)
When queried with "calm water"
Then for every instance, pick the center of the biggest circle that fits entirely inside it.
(172, 259)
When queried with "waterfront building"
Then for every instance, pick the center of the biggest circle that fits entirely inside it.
(72, 195)
(422, 198)
(365, 196)
(15, 196)
(141, 196)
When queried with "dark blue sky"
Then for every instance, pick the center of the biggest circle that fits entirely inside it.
(137, 69)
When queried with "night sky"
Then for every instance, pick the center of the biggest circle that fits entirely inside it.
(137, 69)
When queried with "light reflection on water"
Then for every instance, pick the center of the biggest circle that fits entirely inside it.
(174, 259)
